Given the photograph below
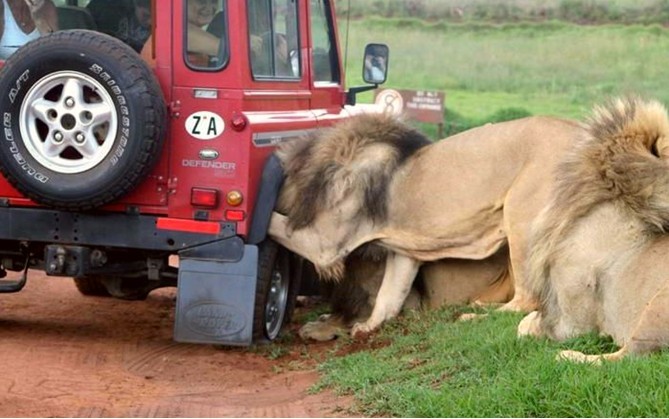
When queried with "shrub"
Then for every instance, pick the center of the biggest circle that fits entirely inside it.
(455, 123)
(507, 114)
(573, 11)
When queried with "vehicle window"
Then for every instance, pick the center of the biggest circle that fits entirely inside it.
(274, 39)
(206, 34)
(324, 53)
(130, 21)
(127, 20)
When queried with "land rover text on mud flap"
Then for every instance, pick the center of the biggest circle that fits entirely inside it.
(144, 129)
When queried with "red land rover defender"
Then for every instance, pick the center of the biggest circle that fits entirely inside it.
(143, 129)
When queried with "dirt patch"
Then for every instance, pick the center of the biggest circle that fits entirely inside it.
(66, 355)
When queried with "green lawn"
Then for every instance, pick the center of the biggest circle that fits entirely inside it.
(433, 366)
(552, 68)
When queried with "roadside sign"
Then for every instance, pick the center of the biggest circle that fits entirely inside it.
(419, 105)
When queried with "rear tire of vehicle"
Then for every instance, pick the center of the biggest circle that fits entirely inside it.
(91, 286)
(84, 119)
(279, 274)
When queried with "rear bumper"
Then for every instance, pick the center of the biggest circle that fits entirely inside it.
(120, 230)
(217, 271)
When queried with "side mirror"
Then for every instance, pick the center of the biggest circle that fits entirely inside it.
(374, 70)
(375, 63)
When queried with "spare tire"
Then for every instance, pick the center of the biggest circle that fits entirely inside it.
(83, 119)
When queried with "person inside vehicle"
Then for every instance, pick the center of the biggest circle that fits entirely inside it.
(127, 20)
(276, 54)
(200, 15)
(206, 33)
(286, 65)
(202, 46)
(24, 20)
(375, 66)
(262, 59)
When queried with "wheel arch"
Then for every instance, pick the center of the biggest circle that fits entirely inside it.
(268, 193)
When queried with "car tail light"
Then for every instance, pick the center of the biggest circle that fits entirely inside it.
(235, 215)
(202, 197)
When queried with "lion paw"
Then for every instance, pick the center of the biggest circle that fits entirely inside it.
(465, 317)
(485, 304)
(519, 305)
(530, 325)
(575, 356)
(361, 330)
(324, 329)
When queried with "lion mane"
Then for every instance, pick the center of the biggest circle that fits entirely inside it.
(356, 157)
(621, 159)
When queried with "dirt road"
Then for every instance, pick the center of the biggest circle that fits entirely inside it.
(65, 355)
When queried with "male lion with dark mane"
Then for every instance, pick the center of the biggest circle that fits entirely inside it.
(599, 250)
(440, 283)
(373, 180)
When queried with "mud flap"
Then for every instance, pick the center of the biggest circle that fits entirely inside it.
(215, 299)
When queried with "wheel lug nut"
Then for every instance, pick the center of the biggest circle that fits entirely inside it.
(69, 102)
(58, 136)
(79, 137)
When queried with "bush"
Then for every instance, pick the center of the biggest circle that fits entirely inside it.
(454, 122)
(581, 11)
(572, 11)
(507, 114)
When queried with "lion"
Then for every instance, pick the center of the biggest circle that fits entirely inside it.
(600, 246)
(373, 179)
(440, 283)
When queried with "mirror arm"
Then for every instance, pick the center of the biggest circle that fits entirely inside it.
(350, 95)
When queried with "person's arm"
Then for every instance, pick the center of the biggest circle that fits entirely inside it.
(202, 42)
(256, 44)
(368, 63)
(381, 64)
(44, 15)
(147, 52)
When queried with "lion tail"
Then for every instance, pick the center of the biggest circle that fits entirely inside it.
(622, 156)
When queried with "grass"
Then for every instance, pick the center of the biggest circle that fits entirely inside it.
(552, 69)
(435, 367)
